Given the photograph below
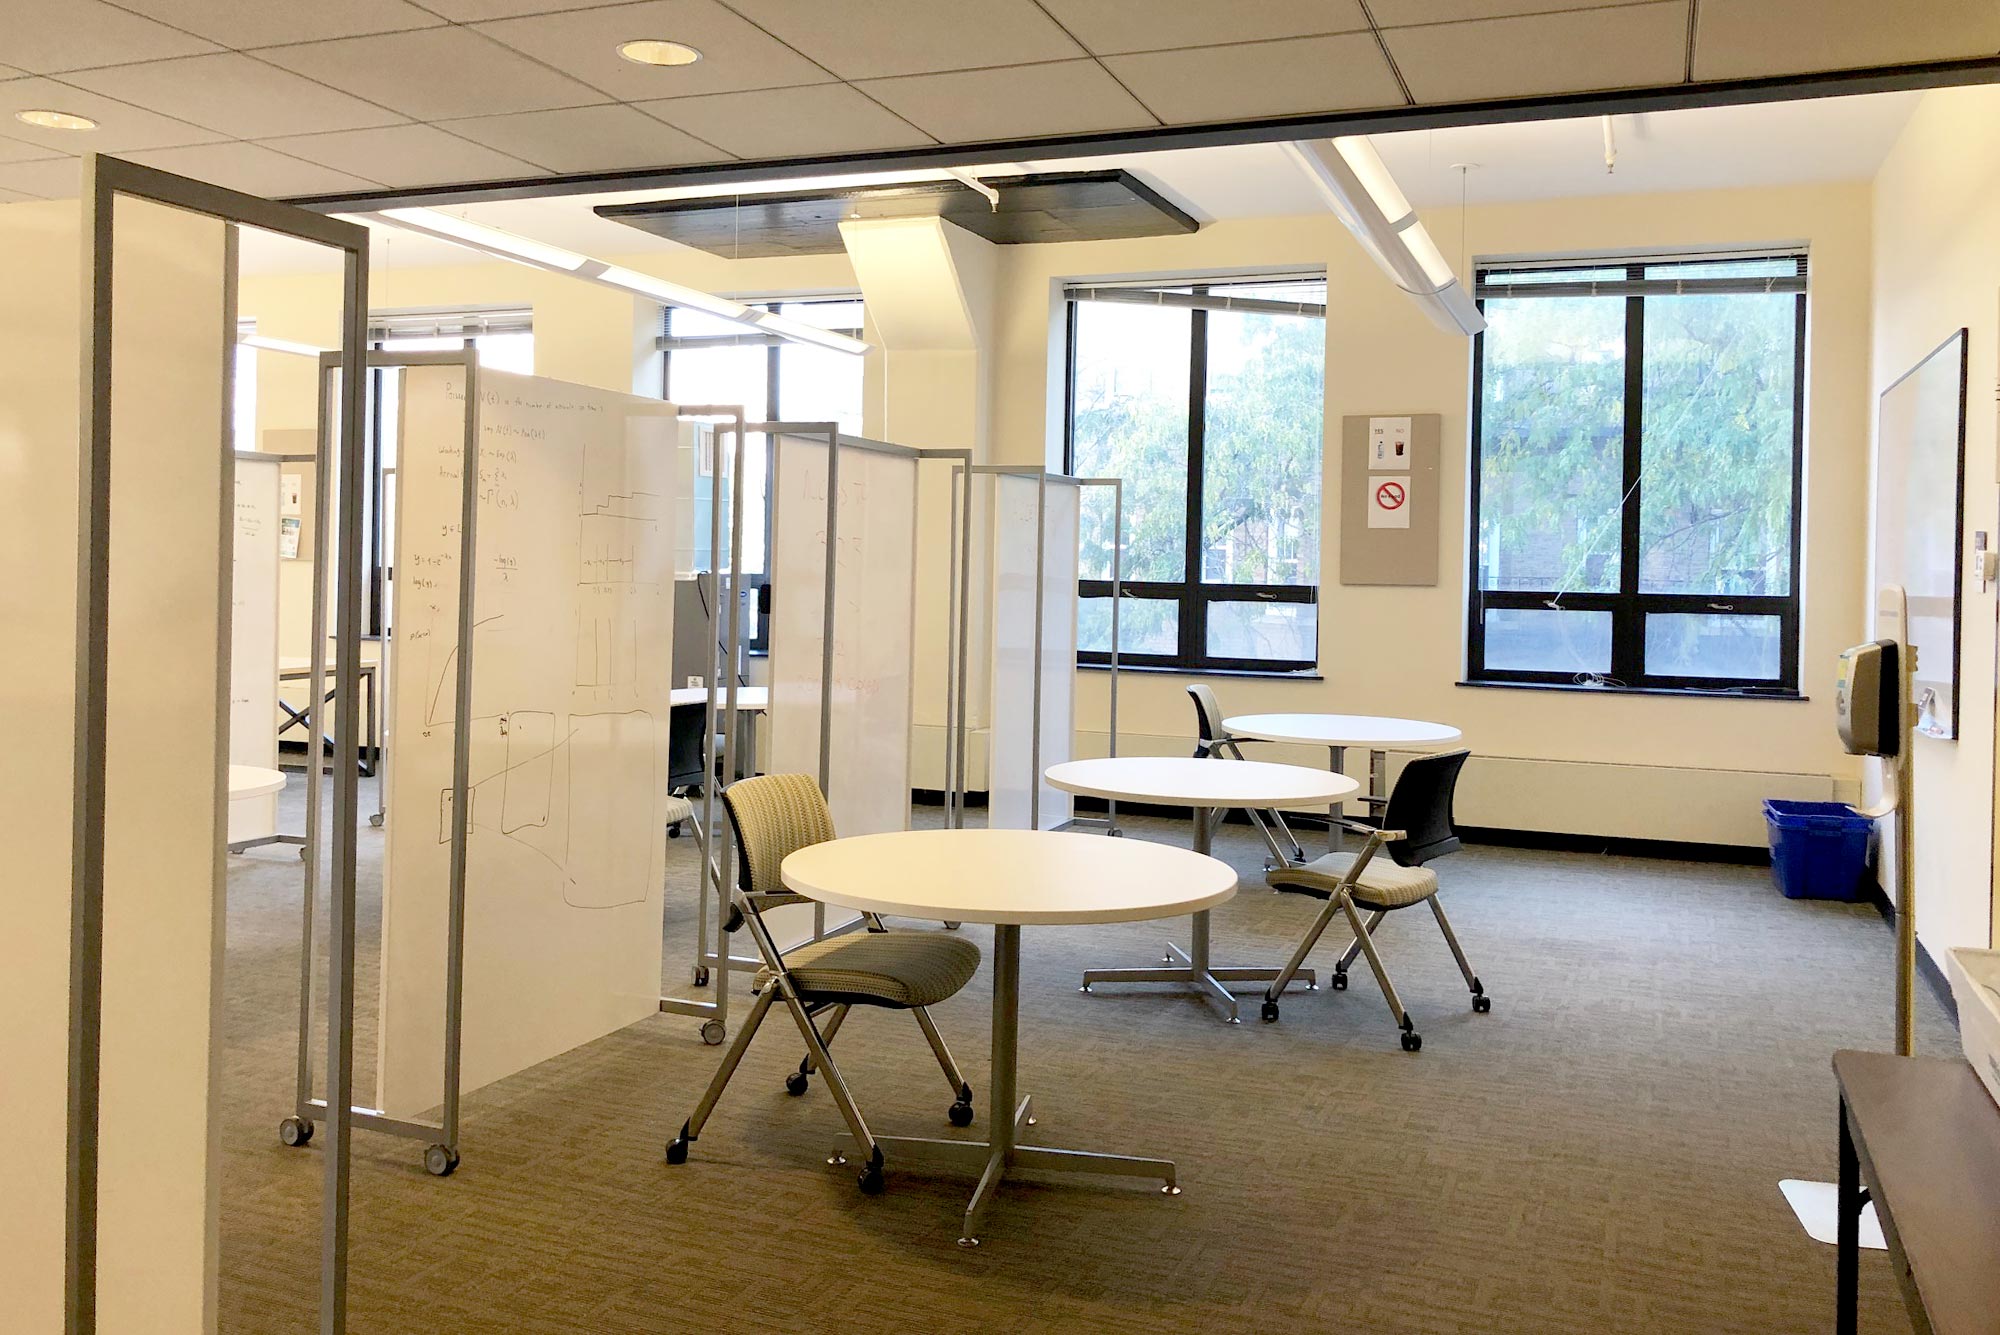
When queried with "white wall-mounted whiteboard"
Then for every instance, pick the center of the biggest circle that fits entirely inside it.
(1012, 502)
(568, 728)
(253, 639)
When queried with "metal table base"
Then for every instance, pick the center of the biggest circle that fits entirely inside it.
(1192, 967)
(994, 1159)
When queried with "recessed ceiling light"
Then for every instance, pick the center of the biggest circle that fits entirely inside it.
(651, 51)
(55, 120)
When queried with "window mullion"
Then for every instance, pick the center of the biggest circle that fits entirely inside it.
(1194, 610)
(1628, 623)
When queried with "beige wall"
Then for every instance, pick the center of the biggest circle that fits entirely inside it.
(1631, 765)
(1937, 269)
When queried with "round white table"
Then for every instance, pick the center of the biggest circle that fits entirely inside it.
(749, 699)
(1337, 732)
(248, 781)
(1011, 879)
(1209, 786)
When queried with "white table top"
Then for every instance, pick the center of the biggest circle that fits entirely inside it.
(1344, 730)
(292, 665)
(246, 781)
(1009, 876)
(749, 699)
(1184, 780)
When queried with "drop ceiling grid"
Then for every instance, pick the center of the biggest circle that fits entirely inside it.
(393, 91)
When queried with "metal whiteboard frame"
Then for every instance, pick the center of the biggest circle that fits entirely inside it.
(104, 180)
(1042, 476)
(306, 1107)
(717, 846)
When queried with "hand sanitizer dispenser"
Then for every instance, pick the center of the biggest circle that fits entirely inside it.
(1866, 699)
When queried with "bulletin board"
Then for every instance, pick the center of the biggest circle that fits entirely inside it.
(1389, 498)
(1919, 517)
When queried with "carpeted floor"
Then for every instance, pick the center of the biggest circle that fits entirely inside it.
(1600, 1153)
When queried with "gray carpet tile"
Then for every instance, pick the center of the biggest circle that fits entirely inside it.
(1600, 1153)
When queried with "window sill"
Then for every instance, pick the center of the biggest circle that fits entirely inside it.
(1678, 692)
(1268, 674)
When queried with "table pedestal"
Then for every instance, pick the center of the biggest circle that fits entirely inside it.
(992, 1159)
(1191, 967)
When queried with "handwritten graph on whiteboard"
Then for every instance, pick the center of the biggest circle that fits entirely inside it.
(571, 647)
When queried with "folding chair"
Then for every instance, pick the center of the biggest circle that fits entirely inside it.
(774, 815)
(1216, 742)
(1416, 828)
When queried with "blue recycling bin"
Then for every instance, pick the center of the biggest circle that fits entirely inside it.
(1819, 850)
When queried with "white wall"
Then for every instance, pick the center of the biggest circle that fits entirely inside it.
(1937, 269)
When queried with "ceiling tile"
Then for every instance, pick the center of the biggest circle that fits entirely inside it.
(587, 139)
(9, 72)
(789, 122)
(121, 127)
(18, 150)
(246, 23)
(52, 178)
(735, 53)
(405, 155)
(1294, 77)
(435, 74)
(1406, 13)
(1022, 102)
(71, 34)
(251, 168)
(475, 11)
(1107, 26)
(14, 197)
(886, 37)
(236, 94)
(1573, 52)
(1737, 39)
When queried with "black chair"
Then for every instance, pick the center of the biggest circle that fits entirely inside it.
(686, 725)
(1215, 742)
(1416, 828)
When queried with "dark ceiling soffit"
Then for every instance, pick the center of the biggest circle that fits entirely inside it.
(1734, 92)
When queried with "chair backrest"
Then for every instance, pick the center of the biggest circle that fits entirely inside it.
(774, 815)
(1207, 717)
(1420, 806)
(687, 730)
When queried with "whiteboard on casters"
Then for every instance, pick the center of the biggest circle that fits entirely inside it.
(1012, 501)
(874, 573)
(253, 639)
(568, 726)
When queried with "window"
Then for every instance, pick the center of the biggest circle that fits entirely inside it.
(1636, 483)
(505, 340)
(714, 361)
(1207, 398)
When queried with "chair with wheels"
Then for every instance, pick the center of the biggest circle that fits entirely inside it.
(1214, 741)
(1415, 829)
(774, 815)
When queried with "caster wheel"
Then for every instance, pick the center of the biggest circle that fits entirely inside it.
(440, 1160)
(960, 1113)
(1109, 834)
(1412, 1042)
(295, 1132)
(673, 832)
(1269, 1012)
(677, 1150)
(376, 820)
(1482, 1004)
(713, 1032)
(795, 1083)
(305, 855)
(871, 1180)
(1339, 982)
(701, 975)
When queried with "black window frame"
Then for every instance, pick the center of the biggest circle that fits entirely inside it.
(1629, 607)
(1190, 592)
(760, 638)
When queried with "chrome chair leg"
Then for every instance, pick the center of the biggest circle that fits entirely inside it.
(795, 1083)
(1480, 1001)
(1348, 956)
(1298, 959)
(677, 1148)
(952, 1075)
(1365, 939)
(871, 1172)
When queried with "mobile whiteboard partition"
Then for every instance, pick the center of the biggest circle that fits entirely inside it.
(531, 772)
(253, 642)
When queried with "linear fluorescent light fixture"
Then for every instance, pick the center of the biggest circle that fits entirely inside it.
(1365, 198)
(291, 346)
(554, 259)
